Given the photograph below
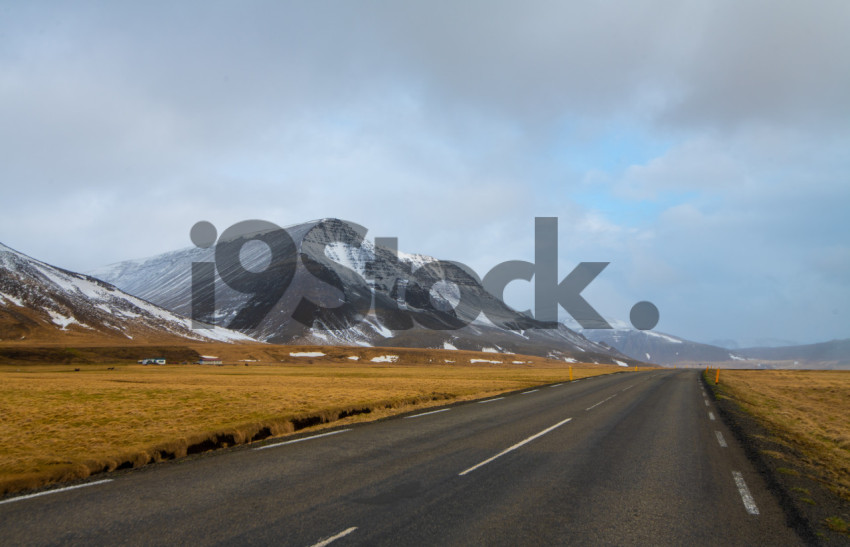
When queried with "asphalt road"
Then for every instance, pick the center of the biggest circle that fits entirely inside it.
(627, 459)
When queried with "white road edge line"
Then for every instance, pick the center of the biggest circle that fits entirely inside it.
(514, 447)
(490, 400)
(527, 392)
(600, 402)
(28, 496)
(720, 439)
(334, 538)
(630, 387)
(427, 413)
(706, 402)
(746, 497)
(302, 439)
(556, 385)
(711, 416)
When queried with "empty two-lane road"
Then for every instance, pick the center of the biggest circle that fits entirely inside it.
(631, 458)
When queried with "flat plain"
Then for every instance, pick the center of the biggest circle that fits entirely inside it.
(61, 423)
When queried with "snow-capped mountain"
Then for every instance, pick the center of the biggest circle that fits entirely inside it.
(660, 348)
(39, 302)
(665, 349)
(834, 354)
(336, 264)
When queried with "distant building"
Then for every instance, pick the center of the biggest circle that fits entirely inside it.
(209, 360)
(152, 361)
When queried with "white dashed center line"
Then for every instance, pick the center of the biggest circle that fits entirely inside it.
(427, 413)
(600, 402)
(720, 439)
(331, 539)
(514, 447)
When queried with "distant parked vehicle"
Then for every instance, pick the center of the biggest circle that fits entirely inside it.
(152, 361)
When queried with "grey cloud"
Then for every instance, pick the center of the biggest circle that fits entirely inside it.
(123, 124)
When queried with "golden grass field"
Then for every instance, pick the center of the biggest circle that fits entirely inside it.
(60, 424)
(807, 410)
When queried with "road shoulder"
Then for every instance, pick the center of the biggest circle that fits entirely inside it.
(803, 497)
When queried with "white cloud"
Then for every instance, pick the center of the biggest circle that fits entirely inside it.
(122, 125)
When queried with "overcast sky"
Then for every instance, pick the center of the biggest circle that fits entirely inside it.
(702, 148)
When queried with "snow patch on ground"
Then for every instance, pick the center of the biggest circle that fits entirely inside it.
(485, 361)
(60, 319)
(447, 345)
(306, 354)
(225, 335)
(126, 313)
(385, 359)
(11, 299)
(354, 357)
(489, 350)
(570, 360)
(622, 364)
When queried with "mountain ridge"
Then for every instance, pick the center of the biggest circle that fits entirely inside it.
(666, 349)
(44, 303)
(397, 299)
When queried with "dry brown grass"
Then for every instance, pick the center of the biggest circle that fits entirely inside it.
(807, 410)
(59, 424)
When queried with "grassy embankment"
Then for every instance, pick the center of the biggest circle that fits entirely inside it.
(807, 413)
(61, 424)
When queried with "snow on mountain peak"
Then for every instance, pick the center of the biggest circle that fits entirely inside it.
(69, 300)
(166, 280)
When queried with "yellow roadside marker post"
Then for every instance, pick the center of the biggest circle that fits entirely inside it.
(571, 374)
(717, 378)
